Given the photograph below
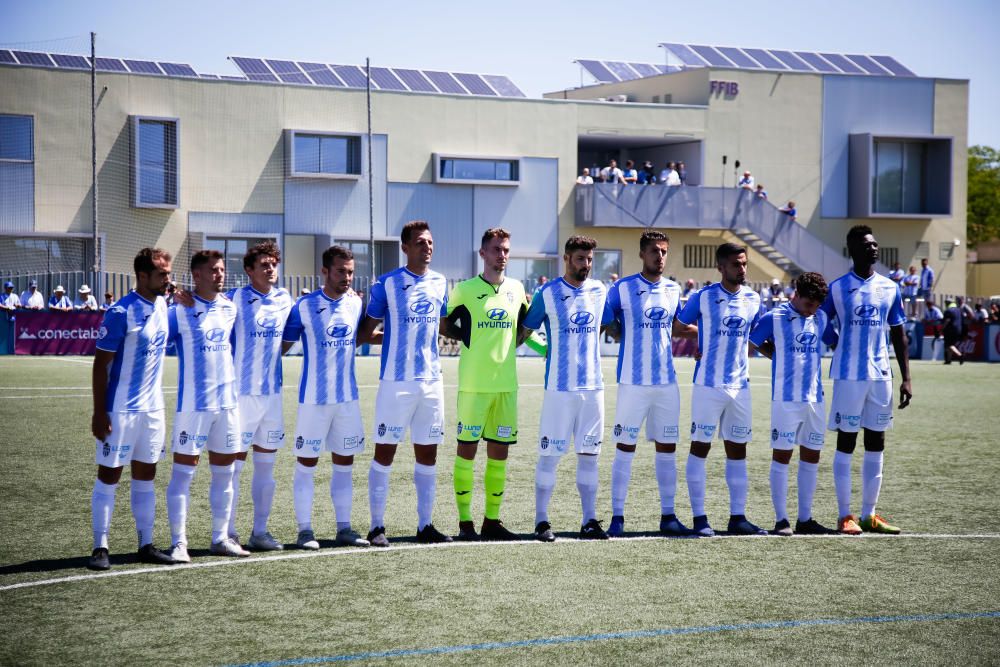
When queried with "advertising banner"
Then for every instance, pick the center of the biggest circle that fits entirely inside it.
(993, 342)
(39, 332)
(974, 345)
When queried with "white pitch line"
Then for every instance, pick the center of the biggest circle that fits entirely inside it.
(341, 551)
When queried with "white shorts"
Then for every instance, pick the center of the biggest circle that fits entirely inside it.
(729, 409)
(334, 428)
(797, 423)
(262, 422)
(861, 404)
(571, 414)
(659, 406)
(413, 404)
(215, 430)
(135, 436)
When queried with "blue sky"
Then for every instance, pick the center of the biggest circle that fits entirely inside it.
(532, 42)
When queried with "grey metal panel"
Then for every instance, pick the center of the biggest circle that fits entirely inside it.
(235, 223)
(859, 183)
(338, 207)
(529, 211)
(448, 210)
(861, 104)
(17, 197)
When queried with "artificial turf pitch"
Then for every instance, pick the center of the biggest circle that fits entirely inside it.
(928, 596)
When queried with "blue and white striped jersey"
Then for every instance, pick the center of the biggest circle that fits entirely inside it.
(797, 364)
(136, 331)
(646, 314)
(206, 377)
(256, 339)
(724, 322)
(328, 329)
(863, 310)
(411, 307)
(572, 318)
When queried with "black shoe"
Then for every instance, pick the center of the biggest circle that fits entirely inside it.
(376, 537)
(740, 525)
(783, 528)
(493, 530)
(99, 560)
(671, 526)
(431, 535)
(592, 531)
(153, 556)
(811, 527)
(467, 532)
(543, 532)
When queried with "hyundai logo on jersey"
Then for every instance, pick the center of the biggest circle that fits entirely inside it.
(422, 307)
(267, 321)
(581, 318)
(497, 314)
(866, 310)
(215, 335)
(656, 313)
(339, 330)
(734, 322)
(806, 338)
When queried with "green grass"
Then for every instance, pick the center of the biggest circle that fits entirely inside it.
(940, 478)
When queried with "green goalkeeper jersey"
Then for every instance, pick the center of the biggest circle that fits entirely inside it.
(488, 317)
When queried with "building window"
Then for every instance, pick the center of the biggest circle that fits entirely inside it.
(888, 256)
(324, 155)
(699, 256)
(154, 162)
(900, 177)
(946, 251)
(923, 250)
(476, 170)
(233, 250)
(890, 176)
(17, 173)
(529, 269)
(606, 263)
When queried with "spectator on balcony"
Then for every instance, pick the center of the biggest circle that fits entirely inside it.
(747, 182)
(59, 300)
(631, 176)
(897, 275)
(646, 175)
(85, 300)
(669, 175)
(31, 298)
(911, 289)
(682, 173)
(612, 174)
(109, 300)
(789, 210)
(584, 178)
(982, 315)
(9, 302)
(760, 193)
(926, 279)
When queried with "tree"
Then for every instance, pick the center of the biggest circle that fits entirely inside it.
(983, 215)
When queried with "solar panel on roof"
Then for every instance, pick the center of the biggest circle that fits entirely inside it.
(415, 80)
(475, 84)
(765, 59)
(6, 56)
(645, 69)
(289, 72)
(386, 80)
(792, 60)
(866, 63)
(178, 69)
(816, 61)
(503, 85)
(739, 58)
(843, 63)
(685, 55)
(142, 66)
(208, 76)
(711, 55)
(110, 65)
(321, 74)
(893, 65)
(254, 69)
(445, 82)
(352, 75)
(70, 61)
(621, 70)
(33, 58)
(598, 71)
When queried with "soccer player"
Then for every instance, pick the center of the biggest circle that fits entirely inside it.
(725, 311)
(128, 405)
(411, 302)
(645, 305)
(262, 310)
(863, 304)
(485, 314)
(327, 321)
(572, 310)
(206, 416)
(790, 336)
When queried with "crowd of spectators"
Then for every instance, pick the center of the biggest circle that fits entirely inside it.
(673, 174)
(33, 299)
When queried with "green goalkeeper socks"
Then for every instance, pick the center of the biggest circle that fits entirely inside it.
(464, 469)
(495, 481)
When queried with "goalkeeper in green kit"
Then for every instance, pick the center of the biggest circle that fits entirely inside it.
(484, 314)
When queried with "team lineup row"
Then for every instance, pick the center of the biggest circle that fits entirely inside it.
(230, 377)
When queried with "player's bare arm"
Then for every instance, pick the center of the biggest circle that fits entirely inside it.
(898, 337)
(100, 422)
(681, 330)
(449, 326)
(766, 348)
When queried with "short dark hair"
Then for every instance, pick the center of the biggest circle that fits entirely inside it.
(856, 233)
(203, 257)
(145, 260)
(811, 286)
(727, 250)
(262, 249)
(493, 233)
(579, 243)
(651, 236)
(336, 252)
(412, 228)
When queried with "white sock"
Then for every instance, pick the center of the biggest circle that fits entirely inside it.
(143, 509)
(871, 482)
(621, 473)
(666, 479)
(586, 484)
(779, 490)
(237, 469)
(737, 479)
(378, 492)
(262, 490)
(425, 479)
(545, 482)
(102, 503)
(220, 499)
(342, 494)
(695, 473)
(178, 496)
(842, 482)
(808, 472)
(302, 490)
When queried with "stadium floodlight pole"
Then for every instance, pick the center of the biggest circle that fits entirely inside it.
(93, 159)
(371, 175)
